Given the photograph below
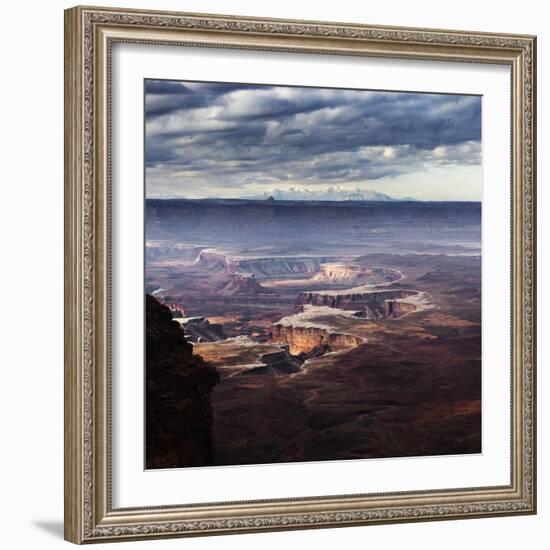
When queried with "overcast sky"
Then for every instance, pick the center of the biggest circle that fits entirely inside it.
(239, 140)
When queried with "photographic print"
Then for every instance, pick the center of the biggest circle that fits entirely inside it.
(313, 274)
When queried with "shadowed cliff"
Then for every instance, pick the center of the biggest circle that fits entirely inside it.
(178, 385)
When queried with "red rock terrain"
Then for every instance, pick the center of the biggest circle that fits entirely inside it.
(323, 352)
(407, 385)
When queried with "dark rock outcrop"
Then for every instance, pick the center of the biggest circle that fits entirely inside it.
(277, 362)
(178, 385)
(199, 329)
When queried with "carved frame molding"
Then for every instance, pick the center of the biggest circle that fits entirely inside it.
(89, 35)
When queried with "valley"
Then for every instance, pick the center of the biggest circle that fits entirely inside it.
(337, 331)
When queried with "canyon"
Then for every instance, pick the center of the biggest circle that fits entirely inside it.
(337, 331)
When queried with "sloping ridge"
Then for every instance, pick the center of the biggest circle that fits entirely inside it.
(178, 423)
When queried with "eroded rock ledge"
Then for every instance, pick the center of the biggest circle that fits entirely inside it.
(312, 340)
(373, 304)
(334, 320)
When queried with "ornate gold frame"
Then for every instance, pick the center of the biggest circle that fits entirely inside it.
(89, 35)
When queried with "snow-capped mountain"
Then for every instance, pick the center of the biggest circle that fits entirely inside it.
(332, 193)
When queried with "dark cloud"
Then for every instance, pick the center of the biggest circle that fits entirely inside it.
(168, 96)
(233, 134)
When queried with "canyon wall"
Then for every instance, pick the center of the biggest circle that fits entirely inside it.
(380, 304)
(345, 274)
(281, 267)
(305, 340)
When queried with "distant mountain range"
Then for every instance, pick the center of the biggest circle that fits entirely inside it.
(335, 193)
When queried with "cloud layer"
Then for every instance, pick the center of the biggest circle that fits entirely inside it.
(214, 139)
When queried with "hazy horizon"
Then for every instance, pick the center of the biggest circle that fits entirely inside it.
(279, 200)
(250, 141)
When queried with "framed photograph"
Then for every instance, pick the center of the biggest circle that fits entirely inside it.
(300, 274)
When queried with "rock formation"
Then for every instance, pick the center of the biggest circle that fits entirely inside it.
(178, 420)
(375, 304)
(199, 329)
(308, 339)
(241, 283)
(345, 274)
(215, 262)
(277, 362)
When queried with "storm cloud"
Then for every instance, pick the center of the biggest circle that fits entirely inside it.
(218, 139)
